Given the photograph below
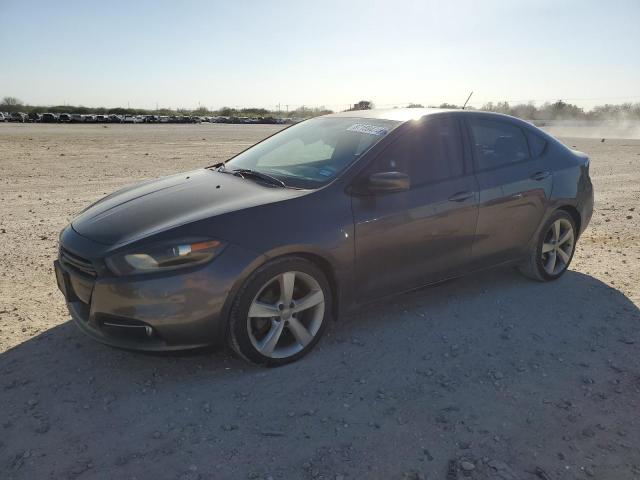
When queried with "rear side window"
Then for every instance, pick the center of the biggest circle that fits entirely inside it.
(498, 143)
(432, 152)
(536, 144)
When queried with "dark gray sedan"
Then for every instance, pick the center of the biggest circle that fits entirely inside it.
(262, 251)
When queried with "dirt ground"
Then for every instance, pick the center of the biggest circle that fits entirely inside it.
(489, 377)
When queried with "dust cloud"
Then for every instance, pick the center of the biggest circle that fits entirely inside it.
(619, 129)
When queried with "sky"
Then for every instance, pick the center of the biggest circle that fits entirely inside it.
(334, 53)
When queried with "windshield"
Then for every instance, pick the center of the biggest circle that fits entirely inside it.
(312, 153)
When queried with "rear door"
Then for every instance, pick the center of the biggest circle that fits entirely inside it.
(514, 189)
(410, 238)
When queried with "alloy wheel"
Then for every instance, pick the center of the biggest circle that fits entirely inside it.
(286, 314)
(557, 247)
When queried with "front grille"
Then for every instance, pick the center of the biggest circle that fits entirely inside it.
(76, 262)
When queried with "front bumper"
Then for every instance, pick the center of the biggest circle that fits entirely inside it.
(173, 311)
(129, 338)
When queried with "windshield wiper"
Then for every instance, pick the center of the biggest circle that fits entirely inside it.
(246, 172)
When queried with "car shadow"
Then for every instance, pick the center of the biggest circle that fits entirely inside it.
(492, 368)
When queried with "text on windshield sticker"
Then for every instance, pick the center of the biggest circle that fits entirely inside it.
(367, 129)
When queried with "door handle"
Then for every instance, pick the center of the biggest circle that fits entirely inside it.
(460, 196)
(540, 175)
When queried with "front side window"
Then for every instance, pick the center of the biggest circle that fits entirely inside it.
(430, 152)
(497, 143)
(312, 153)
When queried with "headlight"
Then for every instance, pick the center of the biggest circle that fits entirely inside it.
(164, 258)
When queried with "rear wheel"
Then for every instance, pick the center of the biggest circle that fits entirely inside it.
(281, 312)
(551, 255)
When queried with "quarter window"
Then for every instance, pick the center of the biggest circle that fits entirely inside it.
(536, 144)
(431, 152)
(498, 143)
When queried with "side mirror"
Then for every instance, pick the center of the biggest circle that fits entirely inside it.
(387, 182)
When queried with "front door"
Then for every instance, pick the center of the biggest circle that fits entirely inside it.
(410, 238)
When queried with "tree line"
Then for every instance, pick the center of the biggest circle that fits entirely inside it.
(558, 110)
(13, 104)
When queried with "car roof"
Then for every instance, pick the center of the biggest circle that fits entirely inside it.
(398, 114)
(407, 114)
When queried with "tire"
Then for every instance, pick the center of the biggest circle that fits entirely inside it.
(262, 294)
(539, 266)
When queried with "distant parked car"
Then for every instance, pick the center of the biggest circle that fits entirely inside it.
(76, 118)
(64, 117)
(49, 118)
(2, 117)
(18, 117)
(164, 119)
(132, 119)
(113, 118)
(102, 118)
(34, 117)
(90, 118)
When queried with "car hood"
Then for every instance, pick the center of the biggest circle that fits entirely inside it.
(138, 211)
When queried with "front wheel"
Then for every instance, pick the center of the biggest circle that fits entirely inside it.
(280, 312)
(551, 255)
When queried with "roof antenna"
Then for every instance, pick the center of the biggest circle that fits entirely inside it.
(465, 103)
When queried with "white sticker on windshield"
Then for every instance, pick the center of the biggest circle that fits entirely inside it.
(368, 129)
